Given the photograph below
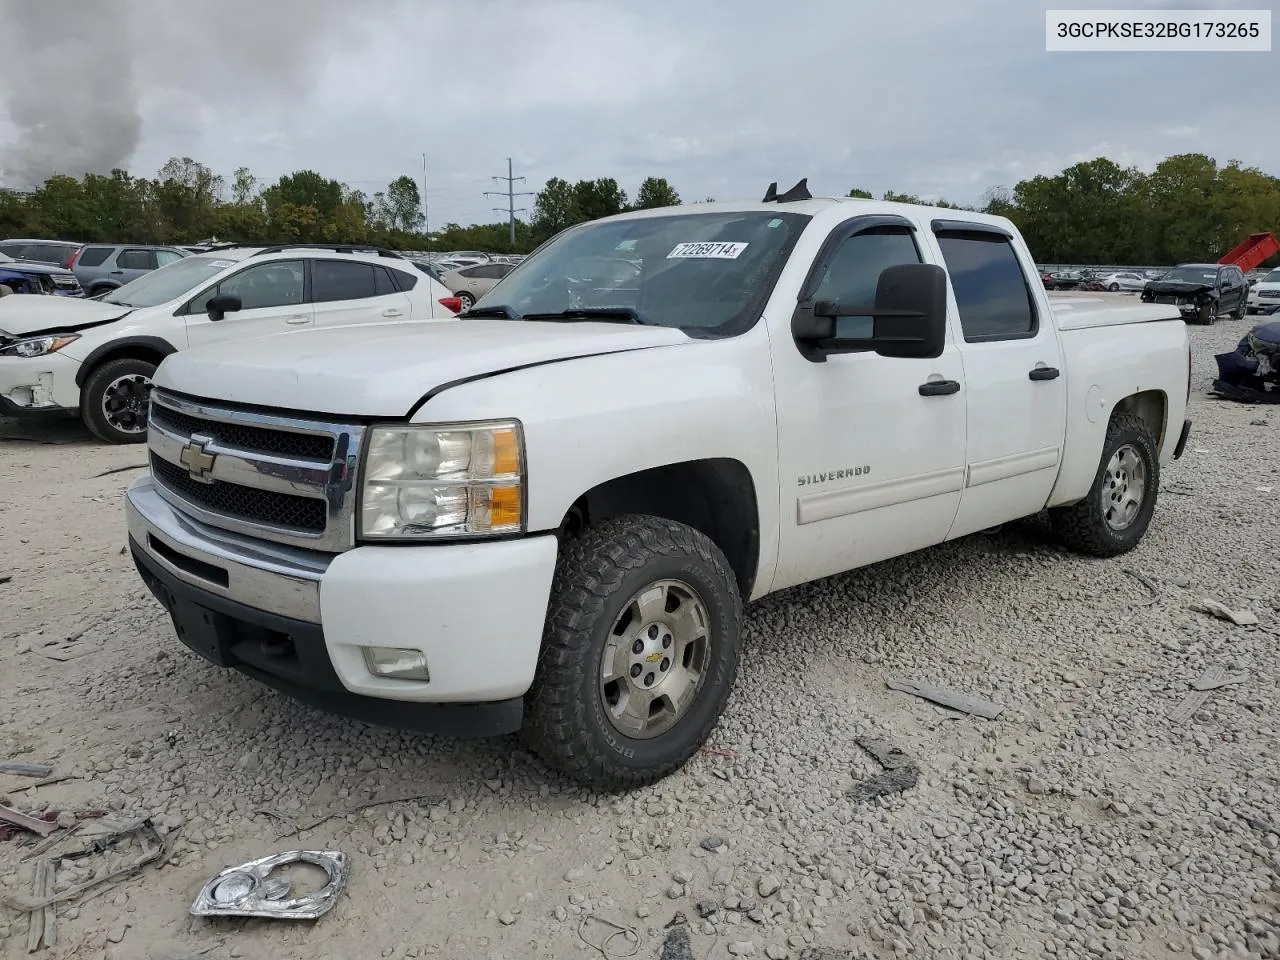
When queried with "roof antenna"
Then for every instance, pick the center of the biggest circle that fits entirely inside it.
(771, 195)
(799, 192)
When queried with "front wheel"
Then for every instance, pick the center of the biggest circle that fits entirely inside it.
(1208, 313)
(113, 402)
(1118, 509)
(1114, 288)
(639, 652)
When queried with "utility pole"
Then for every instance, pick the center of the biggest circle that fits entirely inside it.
(426, 220)
(511, 195)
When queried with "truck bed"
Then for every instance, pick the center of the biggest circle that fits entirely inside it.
(1085, 313)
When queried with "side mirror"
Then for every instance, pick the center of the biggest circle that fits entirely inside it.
(909, 317)
(220, 306)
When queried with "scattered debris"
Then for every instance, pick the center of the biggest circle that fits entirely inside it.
(423, 797)
(33, 824)
(1147, 582)
(42, 923)
(1215, 677)
(249, 890)
(1259, 489)
(45, 782)
(677, 945)
(105, 834)
(1241, 618)
(5, 579)
(26, 769)
(107, 473)
(717, 752)
(952, 699)
(1212, 679)
(629, 934)
(900, 773)
(706, 908)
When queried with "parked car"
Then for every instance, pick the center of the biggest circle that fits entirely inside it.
(104, 266)
(469, 284)
(1264, 296)
(1202, 291)
(56, 253)
(1066, 280)
(25, 276)
(1122, 281)
(550, 515)
(97, 357)
(431, 269)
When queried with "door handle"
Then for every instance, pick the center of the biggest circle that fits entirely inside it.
(939, 388)
(297, 320)
(1044, 373)
(393, 312)
(117, 273)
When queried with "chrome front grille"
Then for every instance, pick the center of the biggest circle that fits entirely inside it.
(271, 475)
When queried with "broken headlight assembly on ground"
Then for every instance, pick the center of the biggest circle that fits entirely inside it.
(260, 888)
(1251, 372)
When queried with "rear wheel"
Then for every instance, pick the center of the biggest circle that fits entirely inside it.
(113, 402)
(639, 652)
(1241, 310)
(468, 301)
(1118, 509)
(1114, 288)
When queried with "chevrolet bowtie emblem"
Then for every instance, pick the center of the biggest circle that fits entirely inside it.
(197, 462)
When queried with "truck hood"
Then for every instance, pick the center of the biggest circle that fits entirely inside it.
(1181, 288)
(384, 370)
(32, 315)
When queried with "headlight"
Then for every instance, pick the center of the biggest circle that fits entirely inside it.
(443, 481)
(39, 346)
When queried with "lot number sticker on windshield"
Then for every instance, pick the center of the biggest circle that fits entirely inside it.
(714, 251)
(221, 263)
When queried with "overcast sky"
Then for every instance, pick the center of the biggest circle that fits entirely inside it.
(934, 97)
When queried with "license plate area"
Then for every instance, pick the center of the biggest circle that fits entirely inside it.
(203, 630)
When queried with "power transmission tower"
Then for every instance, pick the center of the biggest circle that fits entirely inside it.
(511, 195)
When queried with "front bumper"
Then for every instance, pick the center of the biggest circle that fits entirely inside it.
(1263, 307)
(36, 385)
(299, 620)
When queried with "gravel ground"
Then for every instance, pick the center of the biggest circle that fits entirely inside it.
(1081, 822)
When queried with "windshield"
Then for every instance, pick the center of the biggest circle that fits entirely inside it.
(168, 282)
(705, 271)
(1192, 275)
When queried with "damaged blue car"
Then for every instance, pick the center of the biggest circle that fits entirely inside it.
(1251, 372)
(21, 276)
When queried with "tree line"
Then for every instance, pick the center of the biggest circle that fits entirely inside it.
(1187, 209)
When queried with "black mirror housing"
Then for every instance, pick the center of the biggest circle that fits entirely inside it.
(909, 317)
(220, 306)
(911, 311)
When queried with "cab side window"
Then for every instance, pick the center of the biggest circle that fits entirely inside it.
(991, 290)
(852, 274)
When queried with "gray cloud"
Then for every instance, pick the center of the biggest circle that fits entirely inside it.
(929, 97)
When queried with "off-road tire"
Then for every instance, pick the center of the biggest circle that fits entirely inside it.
(597, 573)
(91, 398)
(1082, 526)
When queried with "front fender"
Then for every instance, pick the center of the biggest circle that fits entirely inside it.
(594, 419)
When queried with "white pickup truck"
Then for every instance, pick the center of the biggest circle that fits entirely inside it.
(548, 516)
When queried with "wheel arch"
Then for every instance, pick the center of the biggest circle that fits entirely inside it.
(715, 496)
(150, 349)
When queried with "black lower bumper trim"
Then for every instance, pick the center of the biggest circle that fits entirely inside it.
(290, 656)
(1182, 439)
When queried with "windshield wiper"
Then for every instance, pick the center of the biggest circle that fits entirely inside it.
(629, 314)
(497, 310)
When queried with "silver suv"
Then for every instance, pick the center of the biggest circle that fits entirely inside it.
(104, 266)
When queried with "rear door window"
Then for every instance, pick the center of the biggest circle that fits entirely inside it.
(990, 288)
(341, 280)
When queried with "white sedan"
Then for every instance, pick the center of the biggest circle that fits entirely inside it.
(1123, 281)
